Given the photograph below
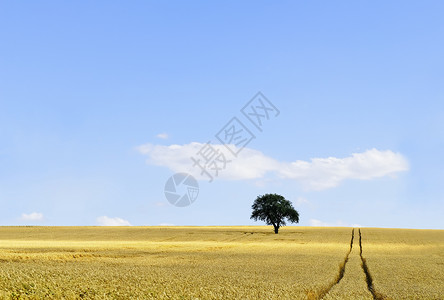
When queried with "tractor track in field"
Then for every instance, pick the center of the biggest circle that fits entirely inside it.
(368, 275)
(341, 272)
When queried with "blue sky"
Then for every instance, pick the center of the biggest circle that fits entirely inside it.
(86, 88)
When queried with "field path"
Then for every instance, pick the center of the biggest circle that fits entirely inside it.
(351, 280)
(354, 279)
(321, 294)
(368, 276)
(403, 264)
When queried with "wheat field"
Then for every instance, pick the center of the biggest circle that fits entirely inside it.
(220, 263)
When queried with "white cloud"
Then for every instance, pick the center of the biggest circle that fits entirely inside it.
(35, 216)
(319, 223)
(165, 224)
(250, 164)
(315, 174)
(107, 221)
(323, 173)
(300, 201)
(162, 136)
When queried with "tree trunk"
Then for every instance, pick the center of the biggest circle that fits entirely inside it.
(276, 229)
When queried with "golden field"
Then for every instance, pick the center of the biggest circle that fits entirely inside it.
(220, 263)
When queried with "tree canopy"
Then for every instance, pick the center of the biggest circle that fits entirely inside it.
(274, 210)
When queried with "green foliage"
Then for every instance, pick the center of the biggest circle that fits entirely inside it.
(274, 209)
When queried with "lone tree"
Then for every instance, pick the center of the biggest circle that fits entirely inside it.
(273, 209)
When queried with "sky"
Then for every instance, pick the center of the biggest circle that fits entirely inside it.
(102, 102)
